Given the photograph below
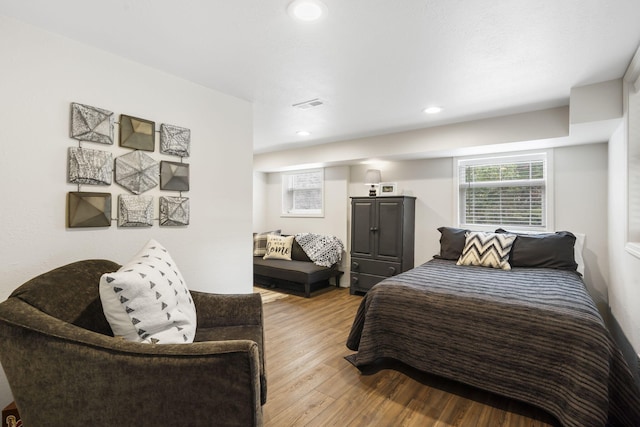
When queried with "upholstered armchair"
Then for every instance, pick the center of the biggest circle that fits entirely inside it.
(65, 367)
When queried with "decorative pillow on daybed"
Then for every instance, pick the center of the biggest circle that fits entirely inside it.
(278, 247)
(452, 242)
(147, 300)
(260, 242)
(297, 253)
(487, 249)
(550, 250)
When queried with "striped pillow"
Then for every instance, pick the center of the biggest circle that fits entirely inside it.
(487, 250)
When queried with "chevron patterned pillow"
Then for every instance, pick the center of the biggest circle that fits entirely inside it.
(487, 250)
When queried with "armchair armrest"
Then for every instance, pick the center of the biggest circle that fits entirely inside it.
(232, 316)
(215, 310)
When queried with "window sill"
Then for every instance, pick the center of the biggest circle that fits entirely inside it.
(302, 215)
(633, 248)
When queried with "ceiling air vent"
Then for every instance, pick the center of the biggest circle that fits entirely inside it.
(306, 105)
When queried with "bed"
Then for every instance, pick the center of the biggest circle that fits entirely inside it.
(529, 333)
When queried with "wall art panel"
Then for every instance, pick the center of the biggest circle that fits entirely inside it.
(137, 172)
(175, 140)
(174, 211)
(85, 209)
(139, 134)
(91, 124)
(93, 167)
(135, 211)
(174, 176)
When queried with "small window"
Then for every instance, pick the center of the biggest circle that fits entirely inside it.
(503, 191)
(302, 193)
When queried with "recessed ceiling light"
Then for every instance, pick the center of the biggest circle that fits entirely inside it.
(303, 133)
(432, 110)
(307, 10)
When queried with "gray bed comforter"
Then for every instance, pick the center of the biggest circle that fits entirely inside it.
(532, 334)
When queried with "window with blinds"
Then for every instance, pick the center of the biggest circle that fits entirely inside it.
(505, 191)
(302, 193)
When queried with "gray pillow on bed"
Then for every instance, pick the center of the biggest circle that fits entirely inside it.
(452, 242)
(550, 250)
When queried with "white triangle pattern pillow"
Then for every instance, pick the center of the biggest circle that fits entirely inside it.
(147, 300)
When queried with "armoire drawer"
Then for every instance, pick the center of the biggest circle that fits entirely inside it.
(377, 268)
(363, 282)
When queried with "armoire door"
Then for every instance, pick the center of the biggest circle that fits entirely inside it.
(363, 222)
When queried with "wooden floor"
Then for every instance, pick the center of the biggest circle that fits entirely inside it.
(311, 384)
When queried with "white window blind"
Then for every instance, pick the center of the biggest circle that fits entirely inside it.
(302, 193)
(507, 191)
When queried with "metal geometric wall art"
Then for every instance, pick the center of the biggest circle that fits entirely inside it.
(137, 133)
(91, 124)
(135, 211)
(175, 140)
(137, 172)
(93, 167)
(174, 211)
(86, 209)
(174, 176)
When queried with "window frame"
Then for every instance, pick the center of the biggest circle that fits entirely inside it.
(286, 202)
(503, 158)
(631, 89)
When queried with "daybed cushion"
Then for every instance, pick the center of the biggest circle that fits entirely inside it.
(293, 271)
(147, 300)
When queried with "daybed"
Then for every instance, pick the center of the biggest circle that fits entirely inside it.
(531, 332)
(65, 367)
(295, 269)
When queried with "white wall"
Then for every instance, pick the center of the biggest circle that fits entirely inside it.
(336, 209)
(624, 287)
(431, 182)
(581, 193)
(41, 75)
(259, 202)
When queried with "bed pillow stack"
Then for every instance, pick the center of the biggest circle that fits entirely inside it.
(557, 250)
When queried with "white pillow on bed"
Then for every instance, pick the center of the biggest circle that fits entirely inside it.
(577, 252)
(487, 249)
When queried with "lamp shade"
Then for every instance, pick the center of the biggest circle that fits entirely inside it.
(372, 177)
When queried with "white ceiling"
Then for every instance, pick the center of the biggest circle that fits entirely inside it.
(376, 64)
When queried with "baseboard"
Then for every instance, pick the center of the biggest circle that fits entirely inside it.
(629, 353)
